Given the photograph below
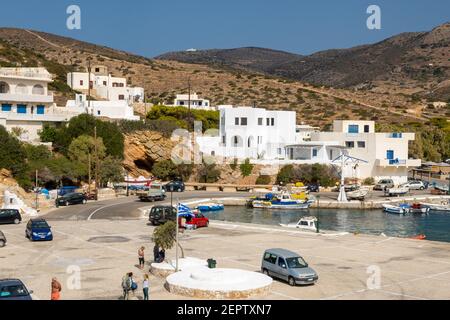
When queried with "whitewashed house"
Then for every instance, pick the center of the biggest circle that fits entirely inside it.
(117, 110)
(193, 100)
(104, 86)
(26, 103)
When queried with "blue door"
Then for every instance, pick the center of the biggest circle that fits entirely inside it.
(40, 110)
(390, 155)
(21, 108)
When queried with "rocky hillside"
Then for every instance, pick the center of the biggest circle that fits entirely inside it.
(317, 105)
(412, 60)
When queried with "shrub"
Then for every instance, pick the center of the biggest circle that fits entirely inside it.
(369, 181)
(285, 174)
(263, 180)
(165, 170)
(208, 173)
(246, 168)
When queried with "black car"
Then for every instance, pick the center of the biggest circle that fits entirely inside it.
(162, 214)
(2, 240)
(175, 186)
(70, 199)
(14, 289)
(9, 216)
(313, 187)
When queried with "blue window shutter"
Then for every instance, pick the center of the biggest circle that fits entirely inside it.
(21, 108)
(390, 155)
(6, 107)
(40, 110)
(353, 128)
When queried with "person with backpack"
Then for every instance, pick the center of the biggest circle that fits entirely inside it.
(126, 285)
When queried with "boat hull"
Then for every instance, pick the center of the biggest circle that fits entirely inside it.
(265, 205)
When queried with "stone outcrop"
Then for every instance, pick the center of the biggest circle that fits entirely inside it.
(143, 149)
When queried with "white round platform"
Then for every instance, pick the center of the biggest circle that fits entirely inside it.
(168, 267)
(203, 282)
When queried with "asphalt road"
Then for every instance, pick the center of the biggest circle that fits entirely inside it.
(125, 208)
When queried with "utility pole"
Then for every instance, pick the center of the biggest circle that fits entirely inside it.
(90, 178)
(176, 254)
(96, 162)
(37, 192)
(189, 104)
(89, 84)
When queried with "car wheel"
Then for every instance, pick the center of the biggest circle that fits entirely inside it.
(16, 221)
(194, 227)
(291, 281)
(67, 203)
(422, 188)
(179, 190)
(84, 201)
(266, 272)
(207, 224)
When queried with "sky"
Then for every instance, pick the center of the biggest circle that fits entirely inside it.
(153, 27)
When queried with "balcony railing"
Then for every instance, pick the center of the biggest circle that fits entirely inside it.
(25, 74)
(12, 97)
(399, 162)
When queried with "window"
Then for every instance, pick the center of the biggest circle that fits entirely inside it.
(200, 103)
(21, 89)
(181, 103)
(396, 135)
(104, 83)
(6, 107)
(236, 121)
(121, 97)
(206, 104)
(361, 144)
(267, 121)
(350, 144)
(260, 139)
(4, 87)
(390, 154)
(99, 112)
(40, 109)
(260, 121)
(366, 128)
(273, 121)
(314, 153)
(281, 263)
(243, 121)
(21, 108)
(353, 128)
(280, 151)
(38, 89)
(271, 258)
(97, 69)
(81, 82)
(224, 140)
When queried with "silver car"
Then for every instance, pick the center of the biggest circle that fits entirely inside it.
(289, 266)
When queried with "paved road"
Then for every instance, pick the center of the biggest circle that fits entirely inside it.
(125, 208)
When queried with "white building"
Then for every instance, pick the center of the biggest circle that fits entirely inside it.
(26, 102)
(386, 153)
(272, 137)
(254, 133)
(105, 86)
(119, 109)
(184, 100)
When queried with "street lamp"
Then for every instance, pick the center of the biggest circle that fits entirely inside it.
(318, 214)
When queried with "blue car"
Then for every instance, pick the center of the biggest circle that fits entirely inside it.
(38, 230)
(14, 289)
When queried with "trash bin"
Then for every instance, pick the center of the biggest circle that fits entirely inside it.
(212, 263)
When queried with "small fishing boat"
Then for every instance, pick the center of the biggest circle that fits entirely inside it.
(283, 201)
(400, 191)
(417, 208)
(400, 209)
(305, 223)
(210, 207)
(419, 237)
(444, 206)
(359, 194)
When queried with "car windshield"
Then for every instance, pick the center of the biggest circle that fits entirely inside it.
(296, 262)
(11, 291)
(40, 225)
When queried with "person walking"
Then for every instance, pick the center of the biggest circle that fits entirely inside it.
(126, 286)
(145, 286)
(155, 253)
(56, 289)
(141, 257)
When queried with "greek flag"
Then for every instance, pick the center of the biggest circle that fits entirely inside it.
(183, 209)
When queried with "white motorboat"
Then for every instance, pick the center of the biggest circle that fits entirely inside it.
(444, 206)
(305, 223)
(400, 209)
(359, 194)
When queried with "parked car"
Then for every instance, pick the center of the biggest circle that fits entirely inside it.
(2, 240)
(155, 192)
(162, 214)
(38, 230)
(14, 289)
(9, 216)
(289, 266)
(175, 186)
(384, 183)
(313, 187)
(197, 220)
(70, 199)
(415, 185)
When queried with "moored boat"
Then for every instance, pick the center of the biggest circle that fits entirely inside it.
(305, 223)
(210, 207)
(283, 201)
(444, 206)
(358, 194)
(400, 209)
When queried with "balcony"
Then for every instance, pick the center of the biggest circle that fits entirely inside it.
(399, 163)
(26, 73)
(26, 98)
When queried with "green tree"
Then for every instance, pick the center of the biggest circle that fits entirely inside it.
(13, 157)
(164, 236)
(246, 168)
(165, 170)
(285, 174)
(208, 173)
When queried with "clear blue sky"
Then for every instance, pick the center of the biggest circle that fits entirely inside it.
(152, 27)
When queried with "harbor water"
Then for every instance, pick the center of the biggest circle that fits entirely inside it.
(436, 226)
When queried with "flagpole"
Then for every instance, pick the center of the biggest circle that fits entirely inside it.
(176, 254)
